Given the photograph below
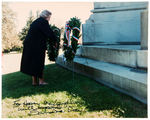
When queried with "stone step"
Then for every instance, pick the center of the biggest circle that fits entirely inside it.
(126, 55)
(124, 79)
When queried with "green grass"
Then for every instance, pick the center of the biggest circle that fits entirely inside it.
(84, 97)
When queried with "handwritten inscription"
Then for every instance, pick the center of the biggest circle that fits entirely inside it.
(46, 107)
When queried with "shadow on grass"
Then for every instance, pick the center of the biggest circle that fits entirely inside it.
(96, 96)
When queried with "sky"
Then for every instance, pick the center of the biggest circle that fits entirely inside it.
(61, 11)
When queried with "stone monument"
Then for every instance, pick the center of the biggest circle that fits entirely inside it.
(114, 50)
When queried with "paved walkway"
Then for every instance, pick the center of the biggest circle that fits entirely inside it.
(11, 62)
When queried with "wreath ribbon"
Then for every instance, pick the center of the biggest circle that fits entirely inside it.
(68, 31)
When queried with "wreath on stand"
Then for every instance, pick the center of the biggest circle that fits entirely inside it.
(70, 45)
(52, 49)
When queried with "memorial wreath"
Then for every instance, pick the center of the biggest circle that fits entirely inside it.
(52, 49)
(70, 45)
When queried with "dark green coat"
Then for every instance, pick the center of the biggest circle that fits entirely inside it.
(34, 47)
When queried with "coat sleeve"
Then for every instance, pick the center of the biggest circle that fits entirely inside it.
(45, 28)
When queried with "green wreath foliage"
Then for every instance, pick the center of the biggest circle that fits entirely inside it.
(53, 51)
(70, 51)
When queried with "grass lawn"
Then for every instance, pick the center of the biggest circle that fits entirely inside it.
(64, 97)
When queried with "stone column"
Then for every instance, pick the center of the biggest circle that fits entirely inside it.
(144, 30)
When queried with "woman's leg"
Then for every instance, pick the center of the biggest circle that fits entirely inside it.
(41, 80)
(34, 80)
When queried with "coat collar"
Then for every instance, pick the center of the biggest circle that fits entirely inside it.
(43, 19)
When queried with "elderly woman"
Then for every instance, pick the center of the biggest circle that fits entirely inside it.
(34, 48)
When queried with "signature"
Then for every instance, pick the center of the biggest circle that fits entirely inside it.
(46, 107)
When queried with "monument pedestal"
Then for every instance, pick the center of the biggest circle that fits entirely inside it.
(111, 51)
(114, 23)
(113, 69)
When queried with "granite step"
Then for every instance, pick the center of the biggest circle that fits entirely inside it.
(127, 80)
(126, 55)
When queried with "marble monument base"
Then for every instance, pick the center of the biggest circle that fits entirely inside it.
(123, 68)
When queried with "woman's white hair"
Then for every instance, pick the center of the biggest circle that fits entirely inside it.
(45, 13)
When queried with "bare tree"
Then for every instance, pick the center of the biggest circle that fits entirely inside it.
(9, 33)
